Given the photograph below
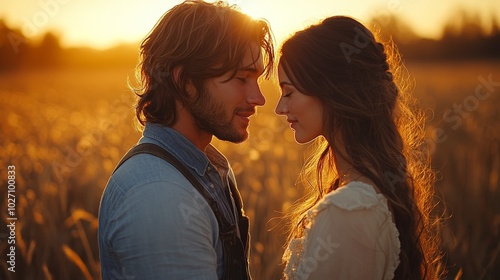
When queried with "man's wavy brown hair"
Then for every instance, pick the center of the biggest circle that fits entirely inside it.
(359, 82)
(202, 40)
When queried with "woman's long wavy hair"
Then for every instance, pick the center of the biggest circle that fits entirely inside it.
(202, 40)
(361, 84)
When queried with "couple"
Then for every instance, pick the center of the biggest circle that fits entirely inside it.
(171, 210)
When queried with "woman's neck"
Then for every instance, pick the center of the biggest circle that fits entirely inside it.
(347, 173)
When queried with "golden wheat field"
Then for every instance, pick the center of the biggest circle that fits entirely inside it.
(64, 131)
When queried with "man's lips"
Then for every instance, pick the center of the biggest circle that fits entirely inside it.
(245, 115)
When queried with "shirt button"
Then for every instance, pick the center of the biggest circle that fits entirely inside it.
(211, 185)
(209, 168)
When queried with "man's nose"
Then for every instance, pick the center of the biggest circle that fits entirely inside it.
(255, 96)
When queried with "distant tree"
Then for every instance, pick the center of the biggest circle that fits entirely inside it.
(48, 52)
(392, 27)
(465, 36)
(50, 43)
(13, 47)
(465, 25)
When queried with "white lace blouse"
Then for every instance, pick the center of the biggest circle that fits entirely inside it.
(350, 235)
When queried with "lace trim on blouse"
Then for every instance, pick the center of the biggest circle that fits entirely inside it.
(353, 196)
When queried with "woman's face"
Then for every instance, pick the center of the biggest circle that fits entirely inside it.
(303, 112)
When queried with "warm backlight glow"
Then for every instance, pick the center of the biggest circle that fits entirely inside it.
(104, 23)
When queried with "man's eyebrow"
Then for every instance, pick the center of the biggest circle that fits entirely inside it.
(250, 69)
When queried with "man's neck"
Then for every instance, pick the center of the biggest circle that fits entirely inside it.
(186, 126)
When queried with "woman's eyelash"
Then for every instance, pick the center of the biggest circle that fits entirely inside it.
(288, 94)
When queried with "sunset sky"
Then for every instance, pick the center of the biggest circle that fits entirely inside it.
(102, 24)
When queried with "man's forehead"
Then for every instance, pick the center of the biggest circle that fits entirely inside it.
(252, 61)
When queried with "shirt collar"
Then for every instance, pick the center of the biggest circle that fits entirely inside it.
(184, 150)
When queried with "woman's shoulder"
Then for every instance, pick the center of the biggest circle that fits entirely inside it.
(353, 196)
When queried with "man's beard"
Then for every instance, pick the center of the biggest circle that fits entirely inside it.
(210, 116)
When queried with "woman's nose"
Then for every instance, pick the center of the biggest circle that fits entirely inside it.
(281, 107)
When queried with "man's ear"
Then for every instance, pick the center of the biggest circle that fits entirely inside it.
(177, 73)
(188, 87)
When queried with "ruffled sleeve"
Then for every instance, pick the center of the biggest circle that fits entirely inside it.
(351, 235)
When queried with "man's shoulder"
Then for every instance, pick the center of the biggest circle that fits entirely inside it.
(145, 169)
(144, 179)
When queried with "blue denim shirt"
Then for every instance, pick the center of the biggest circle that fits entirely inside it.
(153, 224)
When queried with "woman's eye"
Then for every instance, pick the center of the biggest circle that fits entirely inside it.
(243, 80)
(287, 95)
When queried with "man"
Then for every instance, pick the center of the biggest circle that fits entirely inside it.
(199, 71)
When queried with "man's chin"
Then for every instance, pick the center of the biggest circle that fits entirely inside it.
(234, 138)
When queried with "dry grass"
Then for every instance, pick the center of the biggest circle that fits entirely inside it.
(64, 131)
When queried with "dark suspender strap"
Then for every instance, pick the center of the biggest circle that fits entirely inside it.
(243, 222)
(235, 256)
(155, 150)
(236, 196)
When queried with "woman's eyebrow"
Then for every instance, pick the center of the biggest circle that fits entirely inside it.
(285, 83)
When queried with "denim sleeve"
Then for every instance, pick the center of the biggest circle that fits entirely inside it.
(161, 230)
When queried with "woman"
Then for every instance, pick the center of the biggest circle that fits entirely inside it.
(369, 214)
